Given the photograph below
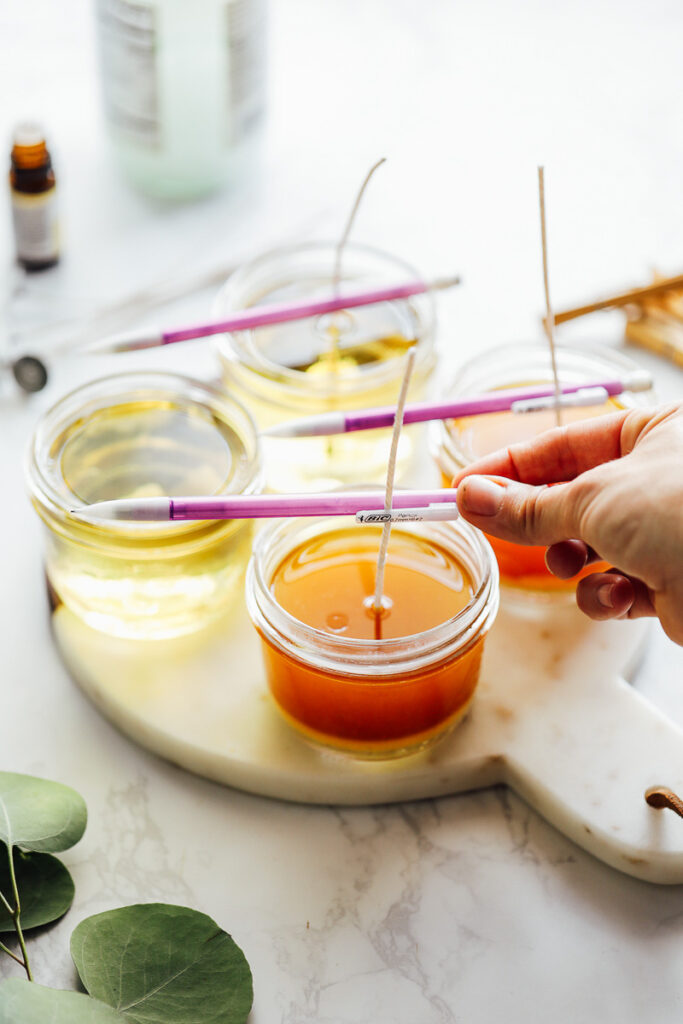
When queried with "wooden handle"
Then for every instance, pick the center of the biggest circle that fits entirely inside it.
(591, 760)
(623, 299)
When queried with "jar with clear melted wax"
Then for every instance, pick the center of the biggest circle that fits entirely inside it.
(374, 684)
(455, 444)
(347, 360)
(143, 435)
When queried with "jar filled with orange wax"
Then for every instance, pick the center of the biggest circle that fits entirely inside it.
(375, 684)
(455, 444)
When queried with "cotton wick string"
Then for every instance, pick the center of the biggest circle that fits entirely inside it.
(336, 277)
(549, 317)
(333, 330)
(391, 473)
(662, 796)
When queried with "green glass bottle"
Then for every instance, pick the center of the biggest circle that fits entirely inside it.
(183, 85)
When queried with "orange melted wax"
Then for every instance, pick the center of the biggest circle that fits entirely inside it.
(521, 565)
(328, 583)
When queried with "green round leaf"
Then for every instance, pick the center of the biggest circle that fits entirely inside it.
(160, 964)
(39, 815)
(46, 889)
(24, 1002)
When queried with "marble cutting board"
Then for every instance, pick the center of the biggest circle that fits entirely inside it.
(553, 718)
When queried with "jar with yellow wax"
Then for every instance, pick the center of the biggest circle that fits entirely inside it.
(455, 444)
(143, 435)
(347, 360)
(375, 684)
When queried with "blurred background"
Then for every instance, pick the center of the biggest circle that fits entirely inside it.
(464, 98)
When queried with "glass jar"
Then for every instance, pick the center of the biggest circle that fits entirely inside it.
(141, 435)
(372, 698)
(349, 360)
(455, 444)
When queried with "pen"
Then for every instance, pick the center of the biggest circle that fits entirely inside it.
(276, 313)
(526, 399)
(423, 504)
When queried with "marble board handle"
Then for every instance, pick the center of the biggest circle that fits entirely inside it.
(584, 761)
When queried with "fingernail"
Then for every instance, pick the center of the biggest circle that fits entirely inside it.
(481, 496)
(605, 595)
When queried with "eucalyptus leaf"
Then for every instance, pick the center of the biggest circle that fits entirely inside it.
(161, 964)
(46, 889)
(39, 815)
(24, 1002)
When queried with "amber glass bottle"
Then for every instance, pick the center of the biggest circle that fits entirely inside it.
(34, 205)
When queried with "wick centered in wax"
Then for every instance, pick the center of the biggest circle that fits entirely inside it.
(371, 609)
(389, 490)
(332, 326)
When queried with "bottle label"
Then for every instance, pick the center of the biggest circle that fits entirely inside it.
(246, 31)
(129, 43)
(35, 225)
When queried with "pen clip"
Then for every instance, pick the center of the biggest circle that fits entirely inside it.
(577, 399)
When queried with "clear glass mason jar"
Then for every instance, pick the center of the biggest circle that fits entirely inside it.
(455, 444)
(140, 435)
(292, 370)
(372, 698)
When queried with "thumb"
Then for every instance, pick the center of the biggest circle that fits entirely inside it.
(518, 512)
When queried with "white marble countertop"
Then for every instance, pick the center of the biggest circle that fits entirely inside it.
(468, 909)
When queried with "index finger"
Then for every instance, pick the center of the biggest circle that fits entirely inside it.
(555, 455)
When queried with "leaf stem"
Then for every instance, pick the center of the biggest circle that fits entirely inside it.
(6, 904)
(14, 956)
(16, 914)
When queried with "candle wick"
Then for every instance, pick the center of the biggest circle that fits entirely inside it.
(389, 490)
(549, 316)
(333, 352)
(336, 277)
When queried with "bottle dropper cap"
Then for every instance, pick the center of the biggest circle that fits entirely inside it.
(28, 134)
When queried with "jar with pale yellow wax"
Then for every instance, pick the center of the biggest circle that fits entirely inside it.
(143, 435)
(351, 359)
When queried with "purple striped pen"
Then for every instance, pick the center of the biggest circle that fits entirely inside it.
(526, 399)
(366, 505)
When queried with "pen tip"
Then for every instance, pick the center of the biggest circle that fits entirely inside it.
(281, 430)
(446, 282)
(131, 341)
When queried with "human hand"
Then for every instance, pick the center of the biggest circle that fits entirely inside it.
(618, 497)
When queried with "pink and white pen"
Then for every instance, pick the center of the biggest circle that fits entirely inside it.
(526, 399)
(275, 313)
(406, 505)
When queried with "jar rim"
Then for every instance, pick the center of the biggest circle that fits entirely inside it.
(236, 348)
(121, 387)
(355, 656)
(503, 365)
